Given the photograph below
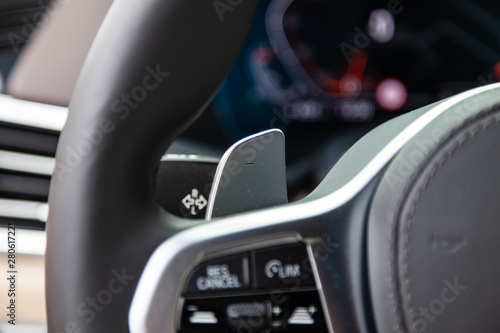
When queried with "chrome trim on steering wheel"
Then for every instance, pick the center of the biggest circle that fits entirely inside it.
(155, 300)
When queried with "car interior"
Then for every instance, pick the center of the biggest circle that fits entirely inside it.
(252, 166)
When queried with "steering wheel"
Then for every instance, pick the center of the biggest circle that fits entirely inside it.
(401, 236)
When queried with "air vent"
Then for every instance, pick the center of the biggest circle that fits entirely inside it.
(17, 21)
(28, 140)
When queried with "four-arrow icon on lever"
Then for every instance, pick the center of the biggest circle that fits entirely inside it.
(194, 200)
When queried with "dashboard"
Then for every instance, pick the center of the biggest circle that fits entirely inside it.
(353, 62)
(325, 72)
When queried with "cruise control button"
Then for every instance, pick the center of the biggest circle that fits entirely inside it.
(283, 267)
(201, 316)
(295, 312)
(226, 274)
(249, 316)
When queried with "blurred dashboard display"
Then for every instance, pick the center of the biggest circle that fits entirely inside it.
(310, 61)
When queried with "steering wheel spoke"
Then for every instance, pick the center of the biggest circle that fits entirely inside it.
(128, 106)
(357, 248)
(333, 239)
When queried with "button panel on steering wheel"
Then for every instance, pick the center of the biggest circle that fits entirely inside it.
(266, 290)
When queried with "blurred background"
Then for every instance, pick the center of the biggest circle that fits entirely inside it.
(323, 71)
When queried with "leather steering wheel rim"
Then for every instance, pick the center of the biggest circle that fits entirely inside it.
(104, 228)
(103, 222)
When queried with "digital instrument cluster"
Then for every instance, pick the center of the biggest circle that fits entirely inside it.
(327, 61)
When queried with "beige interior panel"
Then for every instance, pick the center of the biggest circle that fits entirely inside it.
(30, 289)
(50, 63)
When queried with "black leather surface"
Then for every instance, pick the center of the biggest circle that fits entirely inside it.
(152, 68)
(433, 227)
(252, 177)
(363, 151)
